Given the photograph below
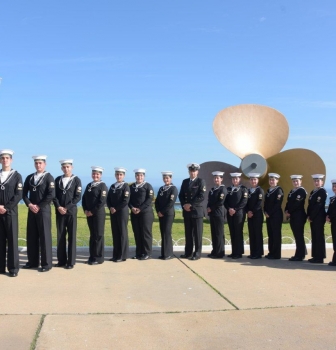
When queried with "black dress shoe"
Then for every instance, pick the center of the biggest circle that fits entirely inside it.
(13, 274)
(28, 266)
(136, 257)
(145, 257)
(59, 265)
(332, 263)
(168, 257)
(93, 262)
(195, 257)
(69, 267)
(316, 261)
(230, 256)
(271, 257)
(161, 257)
(118, 260)
(295, 258)
(44, 269)
(236, 256)
(255, 257)
(184, 256)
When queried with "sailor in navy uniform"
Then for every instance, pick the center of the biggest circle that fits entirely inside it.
(164, 206)
(10, 195)
(331, 218)
(255, 217)
(117, 201)
(93, 202)
(295, 212)
(274, 216)
(235, 203)
(38, 193)
(215, 209)
(317, 218)
(142, 215)
(68, 188)
(191, 196)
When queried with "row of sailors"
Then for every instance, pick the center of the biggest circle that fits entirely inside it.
(40, 189)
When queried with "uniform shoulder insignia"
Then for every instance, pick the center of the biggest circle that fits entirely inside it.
(260, 196)
(79, 189)
(172, 197)
(126, 193)
(19, 186)
(204, 189)
(52, 185)
(245, 194)
(222, 196)
(151, 192)
(104, 193)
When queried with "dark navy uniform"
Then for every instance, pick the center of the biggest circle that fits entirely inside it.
(298, 217)
(67, 197)
(39, 224)
(216, 199)
(272, 207)
(236, 199)
(118, 198)
(164, 203)
(10, 195)
(332, 216)
(317, 215)
(94, 200)
(192, 192)
(255, 223)
(142, 223)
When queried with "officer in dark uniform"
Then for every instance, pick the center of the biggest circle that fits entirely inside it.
(331, 218)
(10, 195)
(255, 217)
(235, 203)
(117, 201)
(274, 216)
(164, 206)
(215, 209)
(38, 193)
(191, 196)
(317, 218)
(295, 212)
(93, 202)
(142, 215)
(68, 188)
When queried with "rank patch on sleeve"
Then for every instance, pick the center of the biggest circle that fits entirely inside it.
(104, 193)
(151, 192)
(79, 189)
(126, 193)
(172, 197)
(204, 189)
(52, 185)
(260, 196)
(245, 194)
(222, 196)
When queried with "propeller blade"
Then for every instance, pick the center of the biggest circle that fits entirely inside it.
(251, 129)
(296, 161)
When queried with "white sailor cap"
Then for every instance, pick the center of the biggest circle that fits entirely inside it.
(253, 175)
(41, 157)
(274, 175)
(318, 176)
(218, 173)
(294, 177)
(140, 170)
(193, 166)
(6, 151)
(99, 169)
(120, 170)
(333, 182)
(66, 161)
(167, 173)
(235, 174)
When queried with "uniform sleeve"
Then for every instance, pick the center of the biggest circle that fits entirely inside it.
(226, 205)
(259, 201)
(243, 200)
(17, 194)
(84, 205)
(25, 191)
(149, 198)
(49, 194)
(125, 198)
(181, 195)
(318, 205)
(171, 202)
(77, 194)
(199, 197)
(55, 200)
(276, 203)
(102, 199)
(332, 210)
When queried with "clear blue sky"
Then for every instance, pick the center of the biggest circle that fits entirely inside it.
(138, 83)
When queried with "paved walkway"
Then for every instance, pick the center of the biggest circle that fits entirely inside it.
(175, 304)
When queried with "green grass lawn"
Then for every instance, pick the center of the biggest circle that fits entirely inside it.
(178, 229)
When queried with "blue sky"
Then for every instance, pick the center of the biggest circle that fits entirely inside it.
(138, 83)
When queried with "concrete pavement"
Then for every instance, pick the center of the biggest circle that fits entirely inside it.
(222, 304)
